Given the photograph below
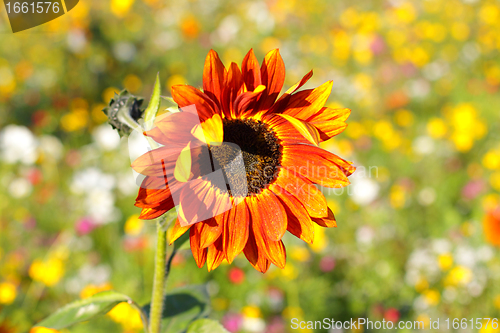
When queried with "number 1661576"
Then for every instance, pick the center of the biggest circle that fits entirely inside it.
(33, 7)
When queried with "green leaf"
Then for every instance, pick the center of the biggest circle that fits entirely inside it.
(206, 326)
(154, 104)
(182, 306)
(83, 310)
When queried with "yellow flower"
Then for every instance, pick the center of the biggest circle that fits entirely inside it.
(459, 275)
(8, 293)
(432, 297)
(125, 315)
(497, 302)
(436, 128)
(445, 261)
(397, 196)
(403, 118)
(492, 159)
(495, 180)
(92, 289)
(405, 13)
(121, 7)
(300, 253)
(251, 312)
(132, 83)
(293, 312)
(460, 31)
(421, 285)
(75, 120)
(134, 225)
(48, 272)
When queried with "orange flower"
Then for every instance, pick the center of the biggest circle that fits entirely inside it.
(491, 224)
(243, 163)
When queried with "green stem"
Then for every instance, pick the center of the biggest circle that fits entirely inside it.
(155, 314)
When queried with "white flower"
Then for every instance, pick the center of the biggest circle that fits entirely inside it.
(106, 137)
(18, 144)
(91, 179)
(364, 190)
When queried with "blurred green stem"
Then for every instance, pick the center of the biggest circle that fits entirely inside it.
(159, 280)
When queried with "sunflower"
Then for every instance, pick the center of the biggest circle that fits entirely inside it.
(265, 150)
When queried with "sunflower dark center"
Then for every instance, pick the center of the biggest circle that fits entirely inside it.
(257, 145)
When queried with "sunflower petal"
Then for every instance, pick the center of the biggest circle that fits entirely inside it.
(206, 232)
(255, 255)
(327, 222)
(273, 77)
(330, 122)
(185, 96)
(199, 255)
(210, 131)
(250, 71)
(307, 130)
(235, 233)
(215, 255)
(214, 76)
(299, 222)
(306, 103)
(182, 171)
(177, 231)
(313, 200)
(245, 103)
(273, 250)
(269, 215)
(152, 213)
(154, 191)
(318, 165)
(157, 162)
(233, 88)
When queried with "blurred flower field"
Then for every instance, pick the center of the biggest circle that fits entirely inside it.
(418, 229)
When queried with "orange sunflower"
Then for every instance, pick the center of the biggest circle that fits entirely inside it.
(241, 164)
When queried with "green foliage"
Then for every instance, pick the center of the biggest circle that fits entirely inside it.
(83, 310)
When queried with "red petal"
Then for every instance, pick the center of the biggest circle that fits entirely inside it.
(273, 77)
(274, 251)
(327, 222)
(299, 222)
(185, 96)
(245, 104)
(215, 255)
(235, 232)
(313, 200)
(206, 233)
(157, 162)
(199, 255)
(250, 70)
(152, 213)
(233, 88)
(268, 215)
(330, 122)
(214, 77)
(317, 165)
(256, 256)
(306, 103)
(281, 103)
(177, 231)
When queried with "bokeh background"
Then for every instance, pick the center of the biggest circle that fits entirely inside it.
(418, 231)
